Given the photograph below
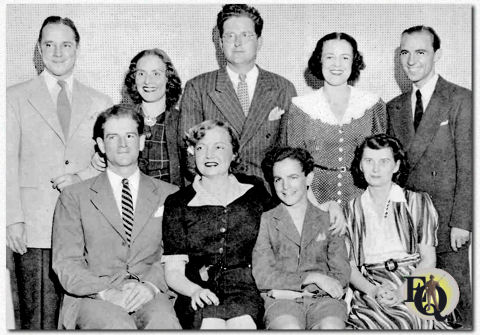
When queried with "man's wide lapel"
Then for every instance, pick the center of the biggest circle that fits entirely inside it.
(147, 203)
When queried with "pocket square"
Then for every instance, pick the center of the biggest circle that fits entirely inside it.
(275, 114)
(444, 123)
(159, 212)
(321, 237)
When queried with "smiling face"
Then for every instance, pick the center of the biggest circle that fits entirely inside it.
(418, 57)
(150, 78)
(58, 49)
(290, 181)
(378, 166)
(242, 51)
(337, 60)
(214, 152)
(121, 144)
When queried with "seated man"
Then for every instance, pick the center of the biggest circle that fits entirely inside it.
(300, 267)
(107, 244)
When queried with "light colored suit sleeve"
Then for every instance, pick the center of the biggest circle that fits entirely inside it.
(13, 134)
(68, 246)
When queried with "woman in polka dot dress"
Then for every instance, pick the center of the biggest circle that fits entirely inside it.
(333, 120)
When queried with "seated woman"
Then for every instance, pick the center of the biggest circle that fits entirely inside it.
(387, 225)
(209, 230)
(301, 267)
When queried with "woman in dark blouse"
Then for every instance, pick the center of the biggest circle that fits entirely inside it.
(209, 231)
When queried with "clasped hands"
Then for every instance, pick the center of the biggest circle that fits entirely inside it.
(131, 296)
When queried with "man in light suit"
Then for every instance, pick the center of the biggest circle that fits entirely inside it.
(435, 127)
(49, 146)
(107, 237)
(252, 106)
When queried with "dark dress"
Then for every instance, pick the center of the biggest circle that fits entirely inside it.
(219, 242)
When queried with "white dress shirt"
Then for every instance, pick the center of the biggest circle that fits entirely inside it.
(427, 92)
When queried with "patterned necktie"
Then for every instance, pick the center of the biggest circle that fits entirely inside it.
(127, 209)
(242, 93)
(418, 110)
(63, 107)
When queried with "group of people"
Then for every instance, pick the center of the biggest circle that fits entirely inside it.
(226, 207)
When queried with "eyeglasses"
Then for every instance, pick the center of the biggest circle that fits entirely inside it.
(243, 37)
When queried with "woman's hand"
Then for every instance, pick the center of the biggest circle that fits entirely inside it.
(203, 295)
(387, 295)
(98, 162)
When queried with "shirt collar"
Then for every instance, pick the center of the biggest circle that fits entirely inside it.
(205, 198)
(251, 76)
(116, 179)
(396, 194)
(426, 90)
(51, 81)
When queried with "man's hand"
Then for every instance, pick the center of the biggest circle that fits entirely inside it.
(98, 162)
(330, 285)
(17, 237)
(63, 181)
(115, 296)
(137, 294)
(458, 237)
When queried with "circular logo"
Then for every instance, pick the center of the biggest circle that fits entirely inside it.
(430, 293)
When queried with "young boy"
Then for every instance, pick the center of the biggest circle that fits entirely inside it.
(300, 267)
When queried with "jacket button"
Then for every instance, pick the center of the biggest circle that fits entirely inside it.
(434, 173)
(220, 250)
(67, 162)
(223, 229)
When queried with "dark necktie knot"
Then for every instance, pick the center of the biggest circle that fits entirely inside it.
(242, 77)
(418, 94)
(125, 182)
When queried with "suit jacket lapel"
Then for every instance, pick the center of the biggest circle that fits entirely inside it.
(42, 102)
(284, 224)
(104, 200)
(436, 112)
(403, 120)
(147, 203)
(226, 100)
(264, 92)
(312, 225)
(81, 103)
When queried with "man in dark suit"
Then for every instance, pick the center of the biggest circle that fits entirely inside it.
(249, 98)
(49, 146)
(435, 127)
(107, 237)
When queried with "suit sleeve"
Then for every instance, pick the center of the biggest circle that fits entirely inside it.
(338, 263)
(267, 276)
(191, 113)
(89, 171)
(291, 92)
(390, 130)
(296, 126)
(379, 122)
(14, 211)
(462, 204)
(68, 246)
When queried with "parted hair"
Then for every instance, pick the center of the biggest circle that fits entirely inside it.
(236, 10)
(173, 86)
(117, 111)
(315, 61)
(417, 29)
(377, 142)
(59, 20)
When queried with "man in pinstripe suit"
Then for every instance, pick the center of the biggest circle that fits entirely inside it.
(255, 114)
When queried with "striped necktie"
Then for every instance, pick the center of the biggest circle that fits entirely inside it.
(127, 210)
(242, 93)
(63, 107)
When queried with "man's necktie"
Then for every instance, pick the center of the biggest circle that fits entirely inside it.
(242, 93)
(418, 110)
(63, 107)
(127, 209)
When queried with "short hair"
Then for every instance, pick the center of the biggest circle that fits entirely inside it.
(173, 85)
(237, 10)
(377, 142)
(59, 20)
(197, 132)
(315, 61)
(117, 111)
(418, 29)
(278, 154)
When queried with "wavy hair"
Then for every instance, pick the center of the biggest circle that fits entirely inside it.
(315, 61)
(173, 86)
